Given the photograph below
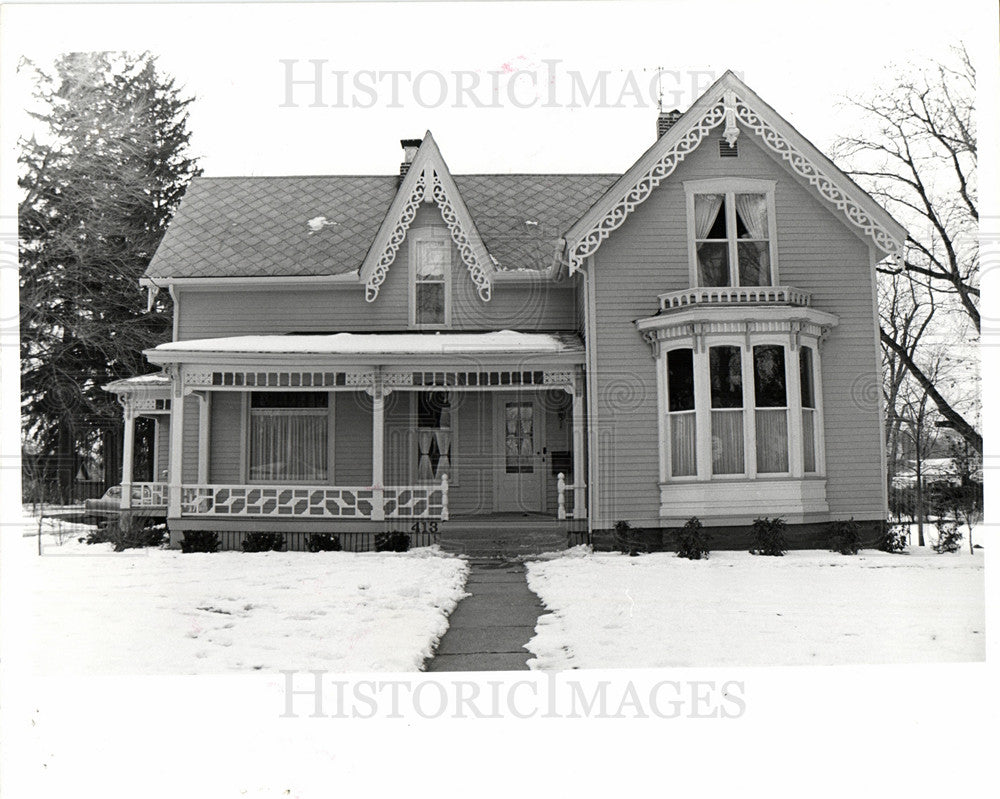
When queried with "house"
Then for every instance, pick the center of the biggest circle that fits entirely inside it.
(436, 352)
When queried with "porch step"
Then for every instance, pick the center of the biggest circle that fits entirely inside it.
(502, 543)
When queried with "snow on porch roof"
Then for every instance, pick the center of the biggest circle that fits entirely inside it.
(139, 383)
(501, 342)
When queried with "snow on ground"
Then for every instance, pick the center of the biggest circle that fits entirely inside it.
(158, 611)
(808, 607)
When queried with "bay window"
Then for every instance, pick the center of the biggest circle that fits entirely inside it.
(288, 436)
(731, 223)
(740, 393)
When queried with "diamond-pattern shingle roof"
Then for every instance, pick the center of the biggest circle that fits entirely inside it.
(305, 226)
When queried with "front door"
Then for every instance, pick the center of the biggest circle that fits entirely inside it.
(520, 463)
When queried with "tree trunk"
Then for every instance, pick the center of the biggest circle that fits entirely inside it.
(962, 427)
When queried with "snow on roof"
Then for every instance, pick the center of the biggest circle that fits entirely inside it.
(153, 380)
(500, 341)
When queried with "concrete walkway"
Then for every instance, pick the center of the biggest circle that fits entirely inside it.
(488, 630)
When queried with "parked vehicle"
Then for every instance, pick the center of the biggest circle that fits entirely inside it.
(98, 511)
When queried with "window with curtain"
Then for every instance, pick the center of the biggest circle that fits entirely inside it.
(435, 436)
(519, 437)
(430, 275)
(681, 413)
(808, 394)
(288, 436)
(732, 239)
(770, 398)
(711, 239)
(726, 379)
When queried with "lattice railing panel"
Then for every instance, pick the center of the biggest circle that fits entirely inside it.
(326, 502)
(149, 495)
(416, 502)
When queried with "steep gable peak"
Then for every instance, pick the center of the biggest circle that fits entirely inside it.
(729, 102)
(425, 177)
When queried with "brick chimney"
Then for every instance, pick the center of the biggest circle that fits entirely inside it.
(410, 147)
(665, 121)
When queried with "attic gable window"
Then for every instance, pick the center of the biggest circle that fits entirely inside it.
(430, 278)
(731, 232)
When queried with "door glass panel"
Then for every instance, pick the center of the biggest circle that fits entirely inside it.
(519, 437)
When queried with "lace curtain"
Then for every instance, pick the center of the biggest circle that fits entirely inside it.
(286, 446)
(683, 443)
(727, 442)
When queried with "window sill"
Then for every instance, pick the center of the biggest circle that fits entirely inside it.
(741, 498)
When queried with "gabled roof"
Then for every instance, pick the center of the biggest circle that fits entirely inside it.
(236, 227)
(732, 102)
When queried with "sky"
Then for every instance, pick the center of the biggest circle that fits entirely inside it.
(229, 57)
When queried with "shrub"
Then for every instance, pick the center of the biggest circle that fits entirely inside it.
(635, 540)
(392, 542)
(128, 531)
(200, 541)
(845, 537)
(323, 542)
(892, 539)
(949, 539)
(768, 537)
(692, 540)
(263, 542)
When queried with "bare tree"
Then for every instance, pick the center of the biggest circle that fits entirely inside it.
(918, 158)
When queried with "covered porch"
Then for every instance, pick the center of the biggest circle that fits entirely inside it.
(371, 431)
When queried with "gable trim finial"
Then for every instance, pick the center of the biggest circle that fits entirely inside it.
(643, 187)
(428, 180)
(731, 107)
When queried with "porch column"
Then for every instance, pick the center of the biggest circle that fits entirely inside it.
(204, 409)
(127, 453)
(378, 448)
(176, 445)
(579, 495)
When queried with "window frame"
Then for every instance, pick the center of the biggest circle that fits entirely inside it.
(819, 446)
(666, 415)
(729, 187)
(416, 237)
(246, 436)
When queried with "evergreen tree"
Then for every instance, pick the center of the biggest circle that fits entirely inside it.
(100, 180)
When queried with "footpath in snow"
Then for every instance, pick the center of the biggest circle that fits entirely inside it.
(615, 611)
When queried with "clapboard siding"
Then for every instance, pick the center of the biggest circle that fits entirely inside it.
(648, 255)
(472, 491)
(162, 448)
(538, 305)
(353, 439)
(225, 434)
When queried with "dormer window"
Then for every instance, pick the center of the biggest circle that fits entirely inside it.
(731, 232)
(430, 278)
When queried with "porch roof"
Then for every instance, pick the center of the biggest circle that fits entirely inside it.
(128, 385)
(377, 346)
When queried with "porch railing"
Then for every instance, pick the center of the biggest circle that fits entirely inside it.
(731, 295)
(316, 502)
(149, 495)
(570, 499)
